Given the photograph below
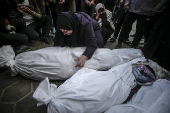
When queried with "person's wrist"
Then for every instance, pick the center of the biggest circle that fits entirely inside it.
(85, 57)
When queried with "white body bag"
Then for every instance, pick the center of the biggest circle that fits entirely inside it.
(88, 91)
(57, 63)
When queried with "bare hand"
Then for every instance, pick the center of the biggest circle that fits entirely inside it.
(47, 3)
(28, 10)
(126, 6)
(121, 1)
(92, 2)
(97, 16)
(21, 8)
(88, 3)
(61, 1)
(81, 61)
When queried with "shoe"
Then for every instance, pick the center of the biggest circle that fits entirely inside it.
(119, 45)
(53, 31)
(23, 48)
(112, 40)
(31, 41)
(127, 42)
(47, 40)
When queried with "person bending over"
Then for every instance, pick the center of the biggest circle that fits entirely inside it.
(77, 30)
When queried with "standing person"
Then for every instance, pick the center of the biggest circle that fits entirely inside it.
(88, 7)
(109, 4)
(158, 43)
(104, 18)
(138, 10)
(41, 5)
(50, 6)
(78, 29)
(78, 5)
(65, 5)
(58, 6)
(29, 11)
(120, 20)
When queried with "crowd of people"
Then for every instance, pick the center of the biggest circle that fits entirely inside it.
(89, 23)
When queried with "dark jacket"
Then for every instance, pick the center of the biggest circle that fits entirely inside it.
(86, 35)
(87, 30)
(144, 7)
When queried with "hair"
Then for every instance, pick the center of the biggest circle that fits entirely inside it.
(100, 10)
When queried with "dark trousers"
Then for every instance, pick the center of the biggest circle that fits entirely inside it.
(120, 20)
(130, 18)
(87, 9)
(17, 39)
(19, 24)
(109, 4)
(31, 30)
(51, 10)
(99, 37)
(13, 39)
(102, 1)
(69, 5)
(152, 24)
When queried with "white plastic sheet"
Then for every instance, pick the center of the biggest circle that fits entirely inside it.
(88, 91)
(57, 63)
(159, 71)
(149, 99)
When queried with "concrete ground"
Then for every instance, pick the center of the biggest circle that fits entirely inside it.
(16, 92)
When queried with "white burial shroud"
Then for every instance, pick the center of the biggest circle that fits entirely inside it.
(148, 99)
(88, 91)
(57, 63)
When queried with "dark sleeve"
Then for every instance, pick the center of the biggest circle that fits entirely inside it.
(90, 40)
(56, 39)
(162, 3)
(14, 14)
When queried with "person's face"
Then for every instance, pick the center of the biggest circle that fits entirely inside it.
(66, 32)
(101, 11)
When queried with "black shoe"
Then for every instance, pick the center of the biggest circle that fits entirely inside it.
(23, 48)
(31, 41)
(47, 40)
(119, 45)
(127, 42)
(112, 40)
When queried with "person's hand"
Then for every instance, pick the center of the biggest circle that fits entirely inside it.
(21, 8)
(126, 6)
(47, 3)
(81, 61)
(121, 1)
(28, 10)
(61, 1)
(88, 2)
(156, 10)
(97, 16)
(92, 2)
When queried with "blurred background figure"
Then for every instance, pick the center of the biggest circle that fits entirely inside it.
(87, 6)
(104, 18)
(137, 10)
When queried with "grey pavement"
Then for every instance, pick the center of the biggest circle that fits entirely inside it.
(16, 92)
